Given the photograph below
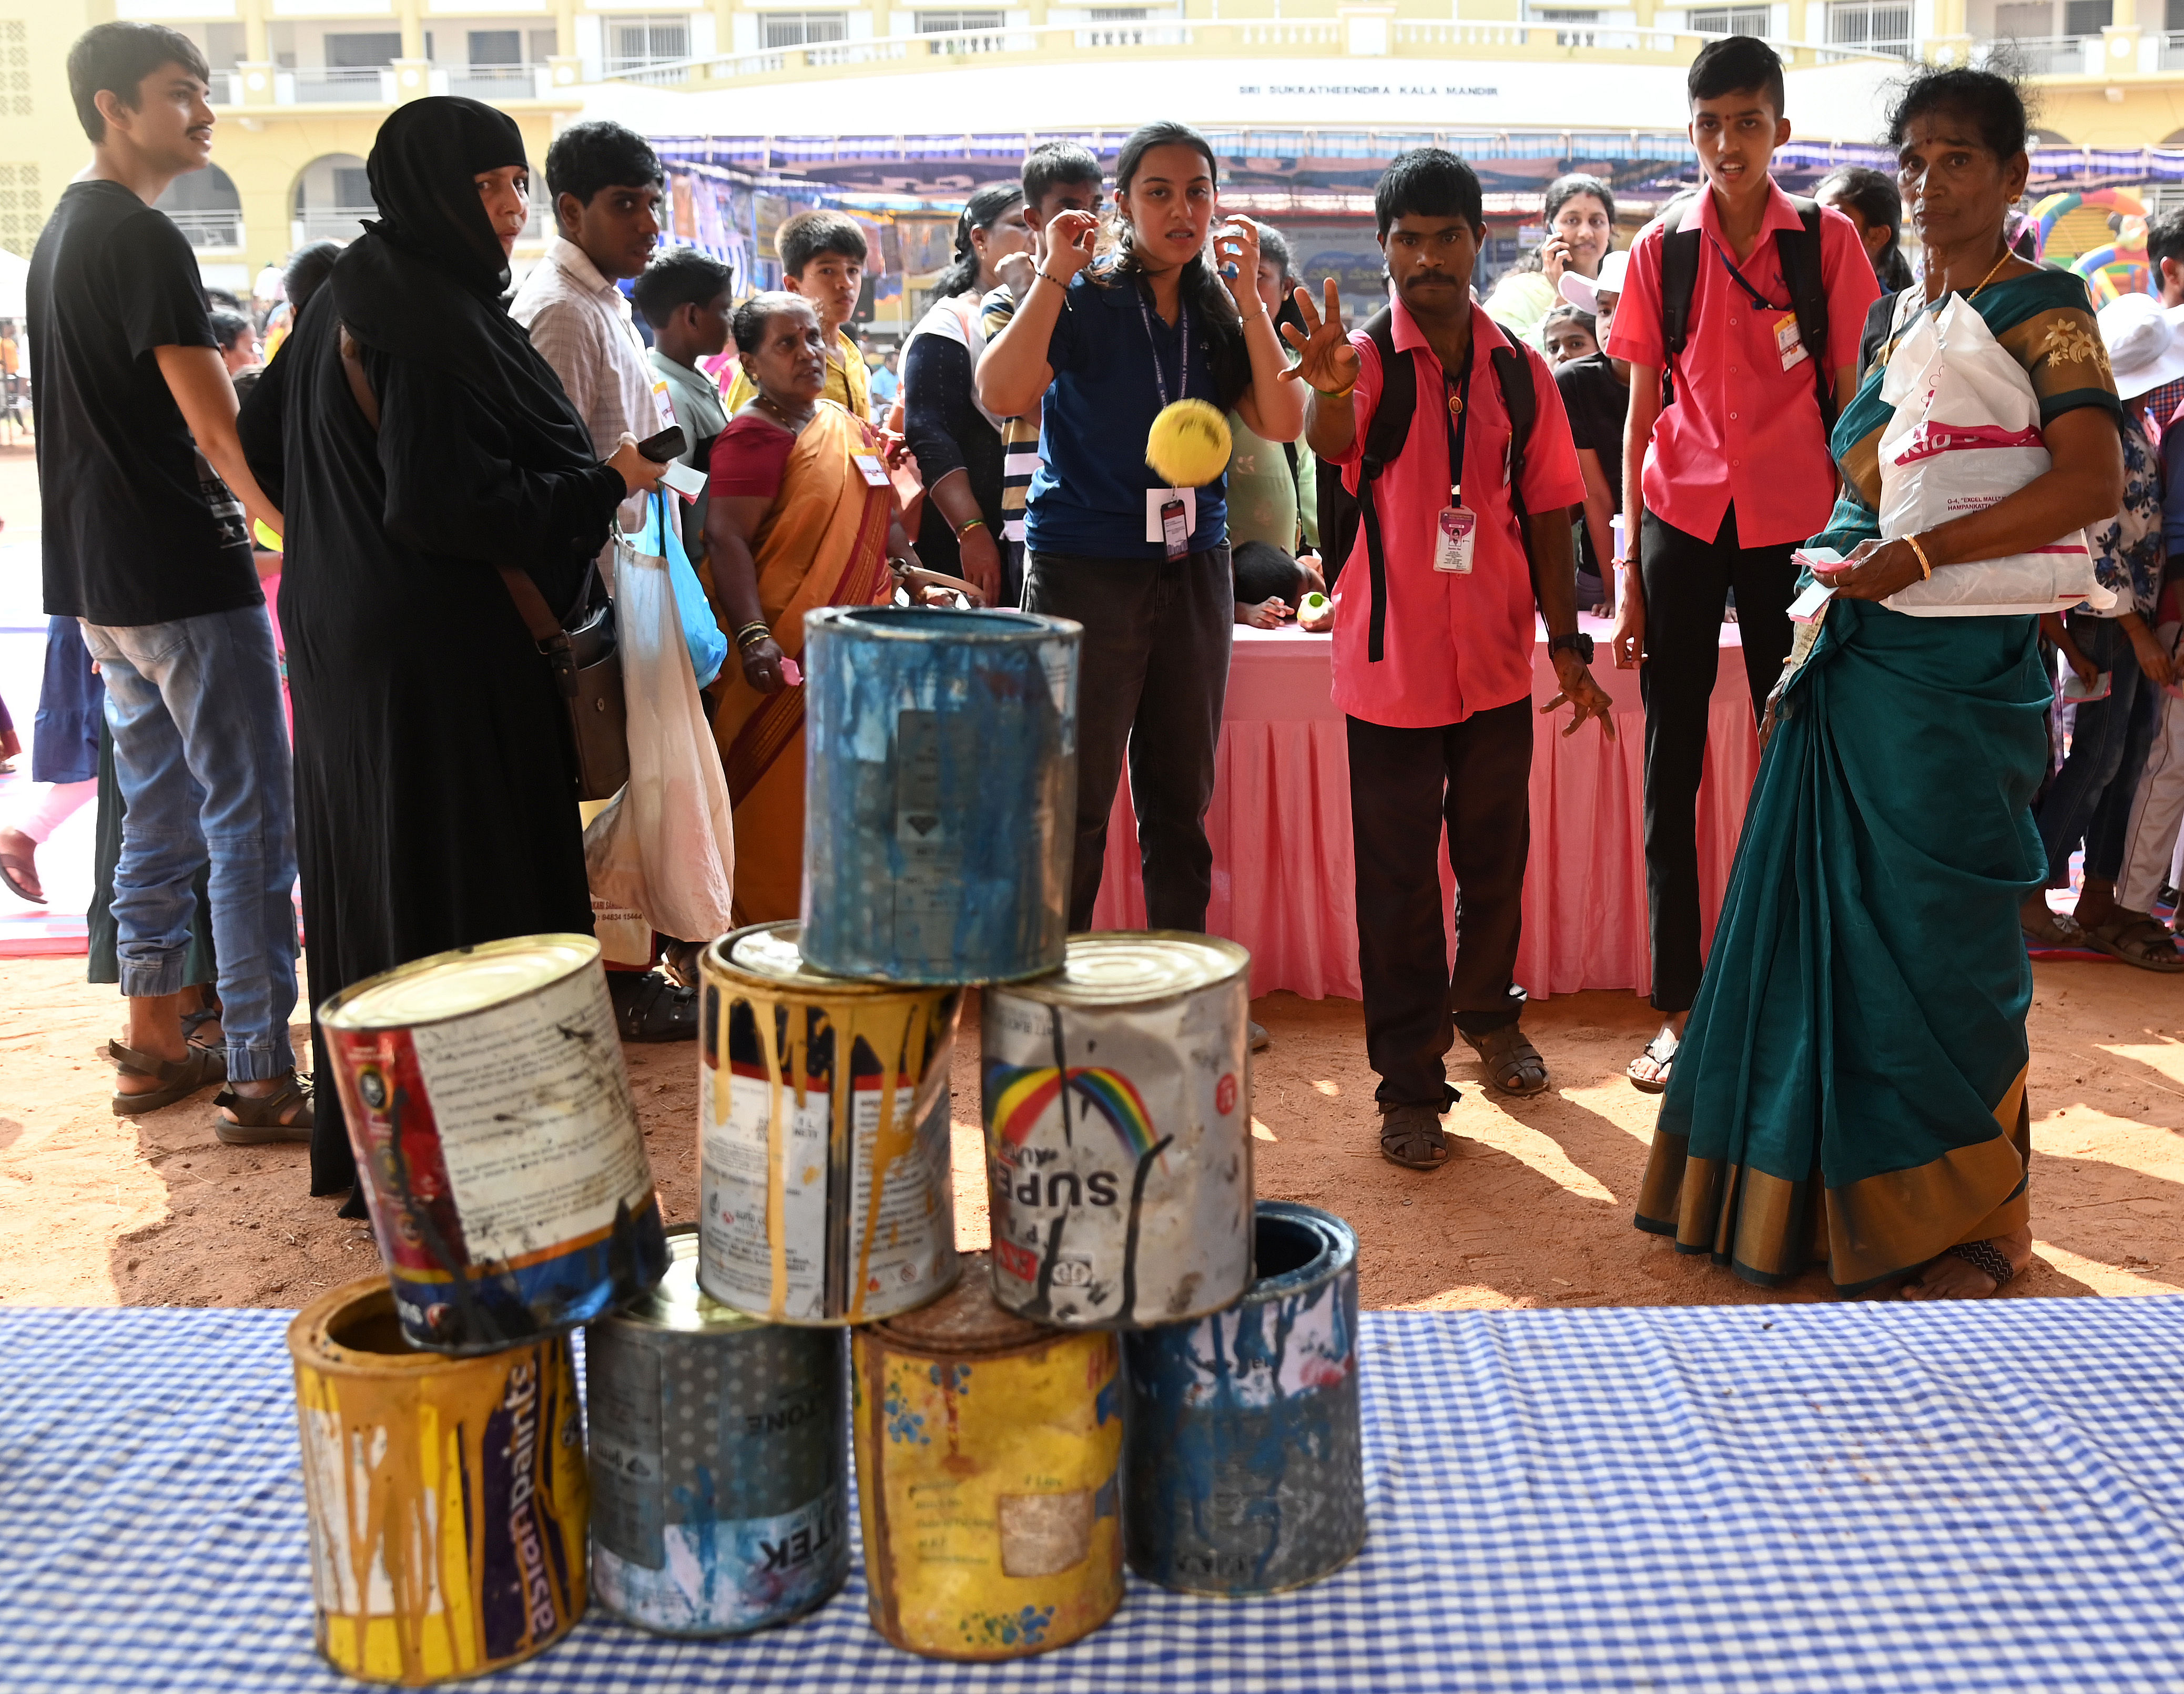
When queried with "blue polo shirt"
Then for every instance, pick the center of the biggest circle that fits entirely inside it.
(1088, 496)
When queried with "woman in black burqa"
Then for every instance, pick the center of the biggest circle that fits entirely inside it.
(434, 779)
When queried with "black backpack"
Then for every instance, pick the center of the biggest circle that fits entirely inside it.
(1682, 248)
(1339, 512)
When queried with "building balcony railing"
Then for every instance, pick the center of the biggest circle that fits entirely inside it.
(2048, 56)
(333, 85)
(330, 223)
(209, 230)
(375, 84)
(493, 83)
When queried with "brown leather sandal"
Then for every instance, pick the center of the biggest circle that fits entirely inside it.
(258, 1116)
(178, 1078)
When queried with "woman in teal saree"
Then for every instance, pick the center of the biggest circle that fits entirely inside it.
(1851, 1090)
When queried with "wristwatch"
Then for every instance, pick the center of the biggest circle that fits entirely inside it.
(1577, 642)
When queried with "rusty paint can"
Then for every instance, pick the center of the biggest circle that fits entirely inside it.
(823, 1136)
(448, 1497)
(1117, 1100)
(719, 1454)
(987, 1448)
(1245, 1469)
(942, 797)
(496, 1141)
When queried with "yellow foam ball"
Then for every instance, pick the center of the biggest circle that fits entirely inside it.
(1188, 445)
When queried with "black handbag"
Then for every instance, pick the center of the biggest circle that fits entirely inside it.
(581, 650)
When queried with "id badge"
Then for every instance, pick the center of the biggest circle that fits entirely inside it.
(1452, 545)
(1175, 529)
(875, 473)
(1788, 343)
(663, 403)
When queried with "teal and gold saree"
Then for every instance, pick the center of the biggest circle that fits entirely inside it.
(1850, 1091)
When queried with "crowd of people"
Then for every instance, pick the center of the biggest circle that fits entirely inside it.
(452, 476)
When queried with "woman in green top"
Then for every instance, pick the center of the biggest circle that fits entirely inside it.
(1272, 485)
(1850, 1093)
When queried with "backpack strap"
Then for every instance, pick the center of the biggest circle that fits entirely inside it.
(1385, 438)
(1679, 280)
(1800, 253)
(1512, 373)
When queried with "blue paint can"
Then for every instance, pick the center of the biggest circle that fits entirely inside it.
(718, 1452)
(940, 792)
(1243, 1460)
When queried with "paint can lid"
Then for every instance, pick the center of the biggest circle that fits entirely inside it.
(966, 1320)
(1128, 967)
(676, 1303)
(453, 984)
(774, 953)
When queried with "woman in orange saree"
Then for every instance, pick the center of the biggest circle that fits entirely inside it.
(802, 516)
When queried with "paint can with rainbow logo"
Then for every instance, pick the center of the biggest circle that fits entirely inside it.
(826, 1195)
(1118, 1139)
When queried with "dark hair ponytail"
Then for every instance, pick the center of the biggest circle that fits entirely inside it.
(1875, 194)
(985, 208)
(1202, 291)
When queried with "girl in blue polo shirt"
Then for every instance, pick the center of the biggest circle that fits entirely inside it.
(1144, 567)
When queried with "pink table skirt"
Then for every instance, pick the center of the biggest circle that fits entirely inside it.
(1283, 876)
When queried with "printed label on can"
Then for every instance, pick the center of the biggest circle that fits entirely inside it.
(722, 1575)
(824, 1211)
(1121, 1176)
(936, 758)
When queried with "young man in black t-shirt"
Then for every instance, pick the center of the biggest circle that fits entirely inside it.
(148, 504)
(1595, 392)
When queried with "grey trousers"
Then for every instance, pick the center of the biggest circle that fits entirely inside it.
(1153, 673)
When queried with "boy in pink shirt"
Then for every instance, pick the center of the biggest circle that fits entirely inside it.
(1727, 475)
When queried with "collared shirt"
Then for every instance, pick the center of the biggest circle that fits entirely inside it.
(849, 383)
(1454, 645)
(1742, 428)
(699, 412)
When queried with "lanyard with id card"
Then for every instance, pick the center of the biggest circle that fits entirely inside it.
(874, 473)
(1457, 532)
(1175, 510)
(1789, 341)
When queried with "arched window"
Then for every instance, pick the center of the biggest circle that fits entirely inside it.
(205, 208)
(332, 197)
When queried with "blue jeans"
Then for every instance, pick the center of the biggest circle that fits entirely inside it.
(2090, 798)
(201, 748)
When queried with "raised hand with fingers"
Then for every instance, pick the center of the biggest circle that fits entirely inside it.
(1236, 257)
(1071, 238)
(1326, 358)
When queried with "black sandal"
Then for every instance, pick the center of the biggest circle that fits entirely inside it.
(1665, 1061)
(1412, 1137)
(178, 1078)
(653, 1008)
(1512, 1063)
(257, 1117)
(194, 1021)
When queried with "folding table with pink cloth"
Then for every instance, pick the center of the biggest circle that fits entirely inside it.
(1284, 881)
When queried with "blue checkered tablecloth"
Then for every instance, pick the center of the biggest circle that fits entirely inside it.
(1984, 1498)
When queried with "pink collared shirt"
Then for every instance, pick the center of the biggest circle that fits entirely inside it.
(1452, 645)
(1742, 429)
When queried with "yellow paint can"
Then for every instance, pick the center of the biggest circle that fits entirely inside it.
(448, 1499)
(987, 1448)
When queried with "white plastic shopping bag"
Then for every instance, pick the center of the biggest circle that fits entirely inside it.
(1965, 434)
(665, 846)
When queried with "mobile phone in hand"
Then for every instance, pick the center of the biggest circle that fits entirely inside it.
(2079, 691)
(668, 444)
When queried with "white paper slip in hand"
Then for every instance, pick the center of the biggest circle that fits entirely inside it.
(1807, 606)
(685, 482)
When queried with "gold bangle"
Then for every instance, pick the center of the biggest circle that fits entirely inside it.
(1925, 568)
(751, 634)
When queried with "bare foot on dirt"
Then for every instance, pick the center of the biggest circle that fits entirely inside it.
(1651, 1066)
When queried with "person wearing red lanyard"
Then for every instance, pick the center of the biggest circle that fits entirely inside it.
(1720, 487)
(1433, 642)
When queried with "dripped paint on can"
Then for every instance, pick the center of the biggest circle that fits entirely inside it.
(1244, 1464)
(496, 1141)
(823, 1136)
(1117, 1100)
(942, 796)
(447, 1495)
(719, 1446)
(988, 1449)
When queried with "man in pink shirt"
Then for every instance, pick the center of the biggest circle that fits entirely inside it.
(1724, 480)
(1433, 642)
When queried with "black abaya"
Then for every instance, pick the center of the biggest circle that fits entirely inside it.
(435, 783)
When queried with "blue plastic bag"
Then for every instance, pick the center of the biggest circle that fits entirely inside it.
(701, 632)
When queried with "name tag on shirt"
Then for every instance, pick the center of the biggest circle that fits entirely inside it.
(1455, 536)
(875, 473)
(1788, 343)
(1159, 517)
(663, 403)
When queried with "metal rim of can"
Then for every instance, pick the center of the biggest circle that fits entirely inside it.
(669, 1308)
(312, 1336)
(1336, 1253)
(333, 1011)
(719, 960)
(1054, 988)
(994, 627)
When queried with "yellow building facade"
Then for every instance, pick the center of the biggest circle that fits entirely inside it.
(301, 85)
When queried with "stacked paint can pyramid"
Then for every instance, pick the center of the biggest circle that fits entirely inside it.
(1147, 1366)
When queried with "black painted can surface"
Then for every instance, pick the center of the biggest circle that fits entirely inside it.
(1243, 1459)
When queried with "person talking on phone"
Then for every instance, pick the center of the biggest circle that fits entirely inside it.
(1144, 568)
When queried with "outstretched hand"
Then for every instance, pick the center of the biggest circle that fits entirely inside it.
(1580, 692)
(1326, 359)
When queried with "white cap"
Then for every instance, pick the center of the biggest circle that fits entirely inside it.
(1584, 292)
(2144, 347)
